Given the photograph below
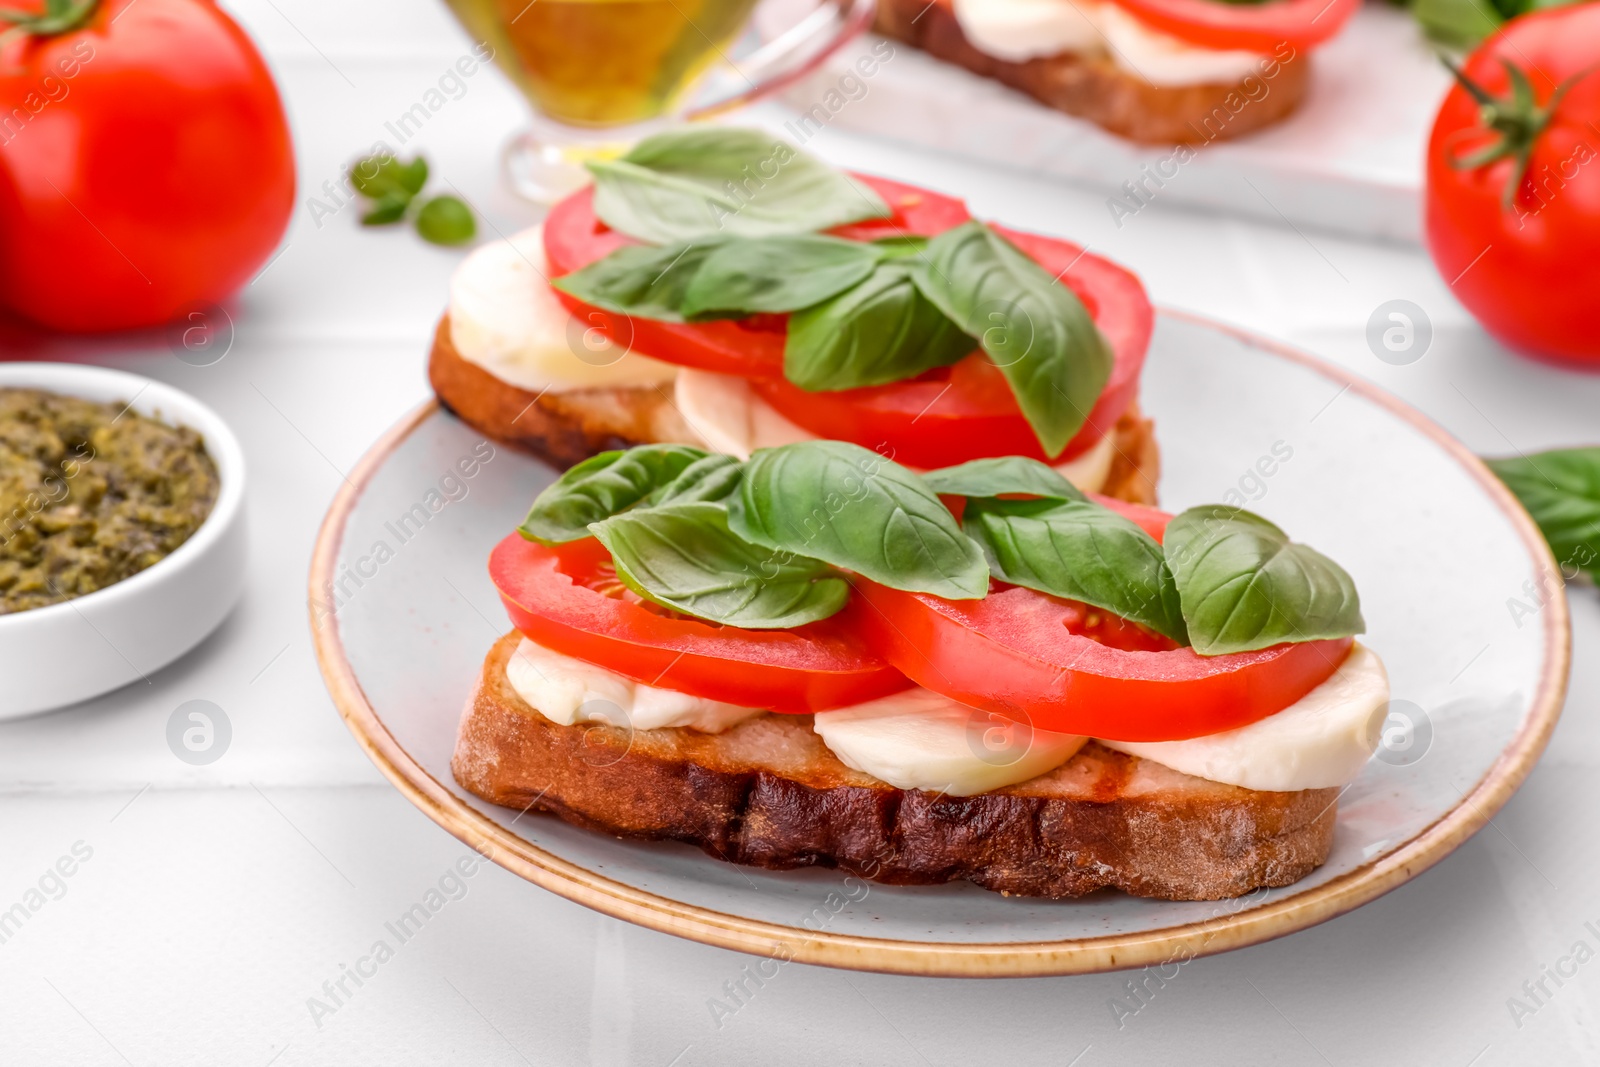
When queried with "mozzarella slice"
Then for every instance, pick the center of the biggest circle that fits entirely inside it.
(569, 691)
(918, 739)
(1321, 740)
(1162, 59)
(505, 318)
(730, 417)
(1019, 30)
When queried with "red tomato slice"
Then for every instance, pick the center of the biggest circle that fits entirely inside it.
(1275, 27)
(1060, 665)
(1056, 665)
(567, 598)
(967, 411)
(574, 237)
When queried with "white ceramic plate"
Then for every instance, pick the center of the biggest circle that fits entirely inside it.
(1434, 542)
(57, 655)
(1349, 158)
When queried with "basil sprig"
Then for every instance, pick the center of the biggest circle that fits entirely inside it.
(392, 190)
(765, 543)
(870, 313)
(683, 556)
(601, 486)
(776, 274)
(719, 180)
(1244, 585)
(717, 276)
(1561, 490)
(645, 280)
(844, 504)
(1035, 329)
(756, 544)
(1002, 475)
(1222, 580)
(735, 213)
(879, 331)
(1060, 543)
(859, 317)
(711, 478)
(1080, 551)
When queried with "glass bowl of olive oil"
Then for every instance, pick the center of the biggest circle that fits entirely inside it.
(600, 74)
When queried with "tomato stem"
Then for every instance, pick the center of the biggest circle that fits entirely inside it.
(58, 17)
(1517, 118)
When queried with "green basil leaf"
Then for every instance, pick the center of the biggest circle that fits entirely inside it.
(1034, 328)
(842, 504)
(1561, 490)
(386, 209)
(712, 179)
(413, 176)
(601, 486)
(1080, 551)
(684, 557)
(1244, 585)
(642, 280)
(376, 177)
(882, 330)
(770, 274)
(714, 478)
(1005, 474)
(902, 245)
(1462, 23)
(446, 220)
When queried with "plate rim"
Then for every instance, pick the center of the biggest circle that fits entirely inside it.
(1299, 911)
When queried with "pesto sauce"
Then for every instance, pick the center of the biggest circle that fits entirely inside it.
(90, 494)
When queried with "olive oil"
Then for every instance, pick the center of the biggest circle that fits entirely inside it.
(605, 62)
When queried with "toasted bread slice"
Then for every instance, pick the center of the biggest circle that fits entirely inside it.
(1094, 88)
(562, 426)
(568, 426)
(768, 793)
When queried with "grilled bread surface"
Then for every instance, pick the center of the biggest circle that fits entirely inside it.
(768, 793)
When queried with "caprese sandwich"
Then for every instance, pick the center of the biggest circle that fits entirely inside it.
(718, 287)
(816, 656)
(1168, 72)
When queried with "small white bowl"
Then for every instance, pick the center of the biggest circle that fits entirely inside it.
(64, 653)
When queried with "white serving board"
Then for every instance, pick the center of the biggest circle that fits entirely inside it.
(1349, 159)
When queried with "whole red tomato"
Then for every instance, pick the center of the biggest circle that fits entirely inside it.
(145, 163)
(1513, 193)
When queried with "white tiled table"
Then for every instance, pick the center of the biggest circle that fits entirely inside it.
(218, 899)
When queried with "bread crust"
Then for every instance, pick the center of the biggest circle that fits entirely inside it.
(1136, 466)
(1095, 88)
(562, 427)
(768, 793)
(566, 427)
